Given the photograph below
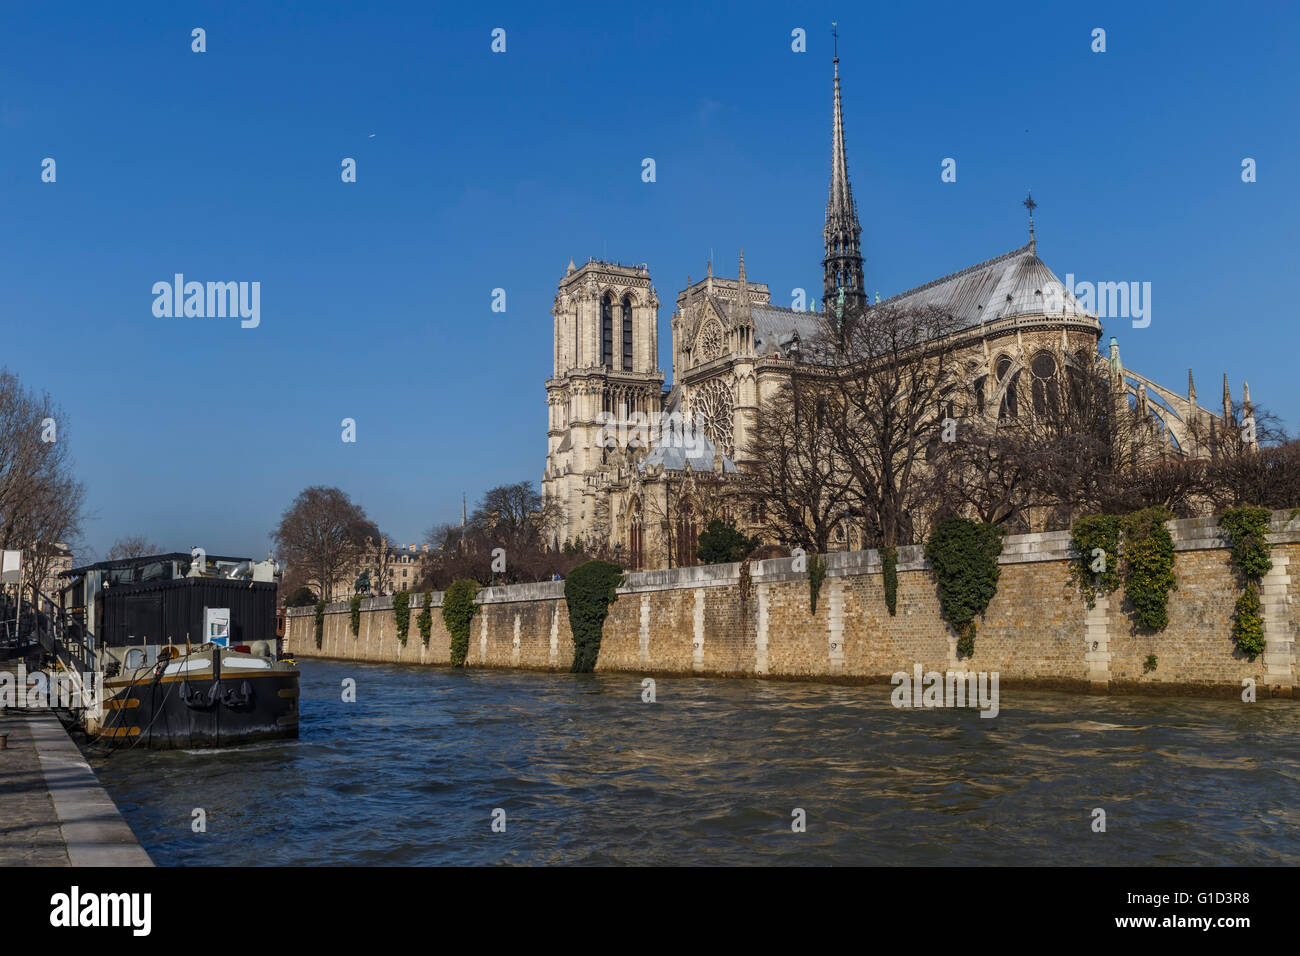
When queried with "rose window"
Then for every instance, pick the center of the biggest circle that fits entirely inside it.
(715, 412)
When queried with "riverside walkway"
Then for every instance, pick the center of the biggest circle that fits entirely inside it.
(53, 811)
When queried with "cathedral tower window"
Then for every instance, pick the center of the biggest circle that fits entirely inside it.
(627, 333)
(607, 331)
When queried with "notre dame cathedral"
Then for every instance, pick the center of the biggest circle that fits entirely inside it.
(732, 348)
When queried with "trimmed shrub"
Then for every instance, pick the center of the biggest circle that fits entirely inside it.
(722, 543)
(458, 609)
(589, 590)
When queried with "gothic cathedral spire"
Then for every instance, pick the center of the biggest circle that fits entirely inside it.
(843, 262)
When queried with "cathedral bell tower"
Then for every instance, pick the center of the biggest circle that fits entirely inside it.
(606, 318)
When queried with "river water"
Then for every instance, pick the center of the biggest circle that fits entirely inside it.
(712, 772)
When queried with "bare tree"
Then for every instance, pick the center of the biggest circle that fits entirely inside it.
(516, 515)
(132, 546)
(41, 500)
(799, 489)
(897, 372)
(1252, 460)
(513, 518)
(322, 535)
(1072, 446)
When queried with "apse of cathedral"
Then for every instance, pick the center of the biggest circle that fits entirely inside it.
(632, 466)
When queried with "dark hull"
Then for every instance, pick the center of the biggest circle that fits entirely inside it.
(178, 712)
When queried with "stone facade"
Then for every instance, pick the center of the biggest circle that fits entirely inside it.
(1037, 631)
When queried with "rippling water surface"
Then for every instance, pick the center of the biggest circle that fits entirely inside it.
(710, 773)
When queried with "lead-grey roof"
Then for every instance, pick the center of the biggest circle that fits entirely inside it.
(672, 456)
(1014, 283)
(775, 327)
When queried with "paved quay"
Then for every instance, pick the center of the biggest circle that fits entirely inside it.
(53, 810)
(29, 827)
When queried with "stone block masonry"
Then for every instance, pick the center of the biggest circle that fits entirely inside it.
(1037, 630)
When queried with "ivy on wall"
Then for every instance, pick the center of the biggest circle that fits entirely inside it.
(1247, 530)
(458, 609)
(589, 590)
(1148, 565)
(1248, 623)
(355, 607)
(964, 556)
(1096, 573)
(745, 582)
(816, 575)
(889, 559)
(320, 623)
(425, 621)
(1135, 550)
(402, 614)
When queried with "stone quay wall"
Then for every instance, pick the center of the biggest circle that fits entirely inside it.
(1037, 630)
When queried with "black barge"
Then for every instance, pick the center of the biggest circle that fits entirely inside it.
(188, 649)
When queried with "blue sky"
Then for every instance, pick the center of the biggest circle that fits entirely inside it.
(491, 170)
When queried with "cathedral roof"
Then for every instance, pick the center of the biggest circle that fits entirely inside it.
(775, 327)
(1014, 283)
(673, 457)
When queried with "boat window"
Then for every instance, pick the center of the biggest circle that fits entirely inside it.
(156, 571)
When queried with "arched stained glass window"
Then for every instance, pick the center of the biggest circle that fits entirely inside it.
(1046, 392)
(1010, 407)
